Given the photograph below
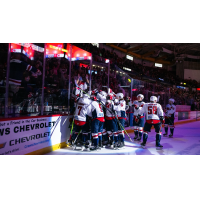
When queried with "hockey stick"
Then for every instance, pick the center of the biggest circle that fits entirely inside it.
(122, 128)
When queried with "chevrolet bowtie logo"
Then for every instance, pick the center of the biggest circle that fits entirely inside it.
(2, 145)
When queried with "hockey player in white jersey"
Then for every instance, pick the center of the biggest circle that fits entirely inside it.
(138, 124)
(154, 116)
(111, 124)
(83, 108)
(102, 95)
(169, 117)
(120, 107)
(98, 120)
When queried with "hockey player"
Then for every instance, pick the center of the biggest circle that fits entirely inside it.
(154, 116)
(102, 95)
(111, 123)
(97, 115)
(120, 107)
(83, 108)
(169, 117)
(138, 124)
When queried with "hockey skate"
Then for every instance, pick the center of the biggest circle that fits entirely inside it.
(165, 134)
(139, 139)
(171, 136)
(121, 145)
(82, 147)
(159, 146)
(143, 145)
(115, 146)
(105, 143)
(94, 148)
(135, 138)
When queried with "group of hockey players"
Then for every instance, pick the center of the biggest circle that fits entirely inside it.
(99, 119)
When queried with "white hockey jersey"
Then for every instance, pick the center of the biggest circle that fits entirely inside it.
(82, 109)
(170, 110)
(137, 104)
(96, 111)
(110, 106)
(152, 111)
(121, 109)
(82, 86)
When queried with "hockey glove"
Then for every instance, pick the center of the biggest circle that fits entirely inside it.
(162, 119)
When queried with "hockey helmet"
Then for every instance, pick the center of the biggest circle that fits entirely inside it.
(153, 98)
(171, 100)
(94, 98)
(103, 93)
(120, 95)
(109, 97)
(140, 95)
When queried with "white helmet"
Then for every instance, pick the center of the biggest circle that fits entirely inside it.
(120, 95)
(103, 93)
(172, 100)
(140, 95)
(153, 98)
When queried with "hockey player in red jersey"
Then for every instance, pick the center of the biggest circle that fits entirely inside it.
(169, 117)
(154, 116)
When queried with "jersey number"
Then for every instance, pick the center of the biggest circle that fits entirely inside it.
(100, 108)
(152, 110)
(80, 108)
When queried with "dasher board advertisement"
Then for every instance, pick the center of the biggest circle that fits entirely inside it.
(22, 136)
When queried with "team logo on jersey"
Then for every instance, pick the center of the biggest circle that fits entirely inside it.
(2, 145)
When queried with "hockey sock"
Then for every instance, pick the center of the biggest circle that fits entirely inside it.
(100, 137)
(105, 137)
(84, 137)
(172, 130)
(158, 138)
(116, 137)
(136, 133)
(89, 136)
(166, 129)
(70, 137)
(121, 136)
(74, 135)
(145, 136)
(95, 137)
(140, 133)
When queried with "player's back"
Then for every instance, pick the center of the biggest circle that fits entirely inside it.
(152, 111)
(97, 111)
(82, 109)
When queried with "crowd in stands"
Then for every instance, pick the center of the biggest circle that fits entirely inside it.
(57, 78)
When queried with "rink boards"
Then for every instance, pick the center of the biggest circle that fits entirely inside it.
(33, 135)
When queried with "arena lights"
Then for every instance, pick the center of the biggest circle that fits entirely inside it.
(58, 48)
(198, 89)
(128, 69)
(134, 89)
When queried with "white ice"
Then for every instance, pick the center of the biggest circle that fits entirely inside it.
(186, 141)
